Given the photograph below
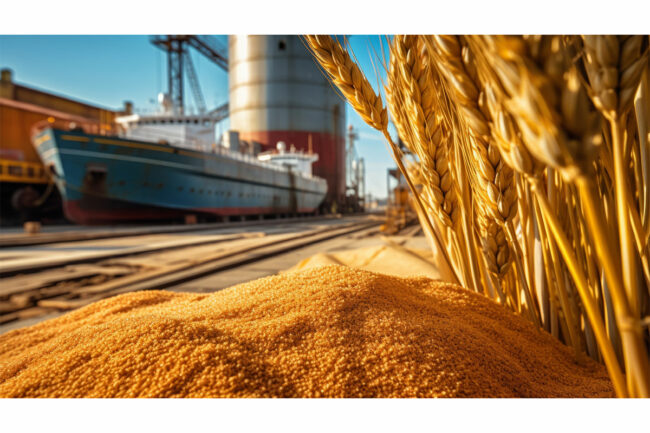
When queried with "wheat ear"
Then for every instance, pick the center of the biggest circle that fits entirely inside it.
(395, 102)
(347, 76)
(418, 97)
(494, 186)
(614, 65)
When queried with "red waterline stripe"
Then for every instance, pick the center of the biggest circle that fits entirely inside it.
(74, 212)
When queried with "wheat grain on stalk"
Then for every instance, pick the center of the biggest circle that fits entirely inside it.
(533, 164)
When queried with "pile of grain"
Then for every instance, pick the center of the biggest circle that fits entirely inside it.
(324, 332)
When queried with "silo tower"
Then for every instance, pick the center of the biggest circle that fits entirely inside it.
(278, 93)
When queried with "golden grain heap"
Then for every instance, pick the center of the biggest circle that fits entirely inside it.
(529, 168)
(326, 332)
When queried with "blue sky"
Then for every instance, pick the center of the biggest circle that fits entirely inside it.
(108, 70)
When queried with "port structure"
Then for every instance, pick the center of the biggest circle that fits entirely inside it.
(355, 170)
(178, 60)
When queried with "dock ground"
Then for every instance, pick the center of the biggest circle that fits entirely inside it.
(68, 267)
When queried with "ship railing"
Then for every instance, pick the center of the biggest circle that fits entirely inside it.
(224, 151)
(179, 140)
(168, 138)
(172, 137)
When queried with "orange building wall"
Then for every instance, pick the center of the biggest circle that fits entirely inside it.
(54, 102)
(15, 140)
(22, 107)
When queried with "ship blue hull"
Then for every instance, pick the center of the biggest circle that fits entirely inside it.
(109, 179)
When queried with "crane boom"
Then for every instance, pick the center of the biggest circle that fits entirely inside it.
(221, 112)
(211, 49)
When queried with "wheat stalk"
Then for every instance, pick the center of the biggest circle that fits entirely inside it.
(345, 73)
(535, 138)
(614, 67)
(562, 131)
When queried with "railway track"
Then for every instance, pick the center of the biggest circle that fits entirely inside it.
(12, 240)
(47, 286)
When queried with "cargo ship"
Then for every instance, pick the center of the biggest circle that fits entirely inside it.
(162, 167)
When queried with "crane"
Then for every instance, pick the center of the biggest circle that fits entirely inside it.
(194, 84)
(178, 59)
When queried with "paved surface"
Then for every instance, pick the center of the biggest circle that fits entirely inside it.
(97, 248)
(263, 268)
(63, 253)
(275, 264)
